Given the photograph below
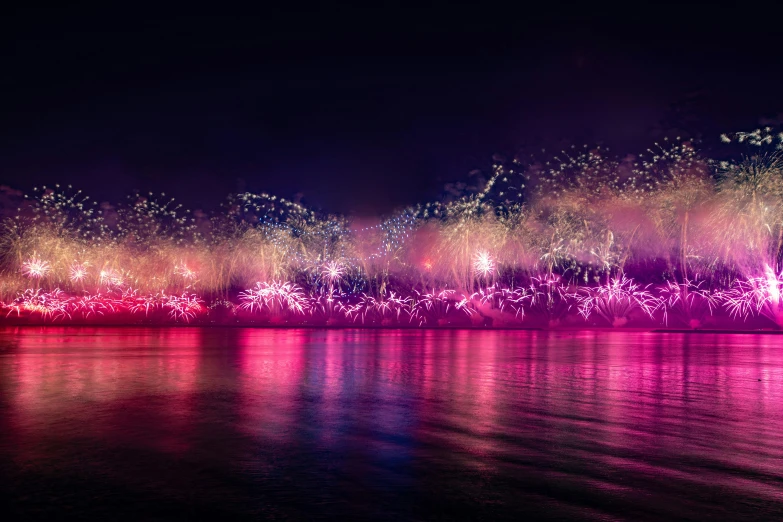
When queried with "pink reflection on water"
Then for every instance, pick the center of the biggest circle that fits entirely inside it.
(619, 411)
(271, 365)
(79, 376)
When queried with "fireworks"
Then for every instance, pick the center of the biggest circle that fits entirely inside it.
(111, 278)
(549, 298)
(665, 237)
(503, 299)
(93, 305)
(483, 265)
(276, 297)
(756, 295)
(185, 272)
(48, 305)
(383, 312)
(183, 307)
(35, 268)
(77, 271)
(688, 302)
(616, 301)
(332, 273)
(438, 308)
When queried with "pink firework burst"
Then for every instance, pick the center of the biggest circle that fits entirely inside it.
(548, 297)
(77, 272)
(50, 305)
(185, 272)
(276, 297)
(434, 307)
(111, 277)
(616, 300)
(483, 264)
(503, 299)
(332, 273)
(35, 268)
(143, 303)
(329, 307)
(381, 311)
(756, 296)
(91, 305)
(183, 307)
(687, 302)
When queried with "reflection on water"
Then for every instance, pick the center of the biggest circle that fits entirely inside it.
(130, 423)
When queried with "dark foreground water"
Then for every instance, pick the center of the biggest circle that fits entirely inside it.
(141, 424)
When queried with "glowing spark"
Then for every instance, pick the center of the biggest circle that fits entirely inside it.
(276, 297)
(332, 272)
(111, 277)
(77, 271)
(183, 307)
(616, 300)
(185, 272)
(35, 268)
(483, 264)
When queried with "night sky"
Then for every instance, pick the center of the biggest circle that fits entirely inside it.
(362, 110)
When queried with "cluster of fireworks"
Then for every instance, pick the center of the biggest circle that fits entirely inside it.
(667, 237)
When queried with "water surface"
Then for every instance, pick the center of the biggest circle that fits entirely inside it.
(170, 423)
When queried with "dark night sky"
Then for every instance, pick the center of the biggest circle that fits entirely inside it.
(360, 110)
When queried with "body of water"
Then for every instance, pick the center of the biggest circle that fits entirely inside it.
(175, 423)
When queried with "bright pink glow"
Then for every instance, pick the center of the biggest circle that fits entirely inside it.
(628, 403)
(546, 301)
(276, 297)
(484, 265)
(616, 300)
(35, 268)
(757, 295)
(49, 305)
(77, 271)
(332, 273)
